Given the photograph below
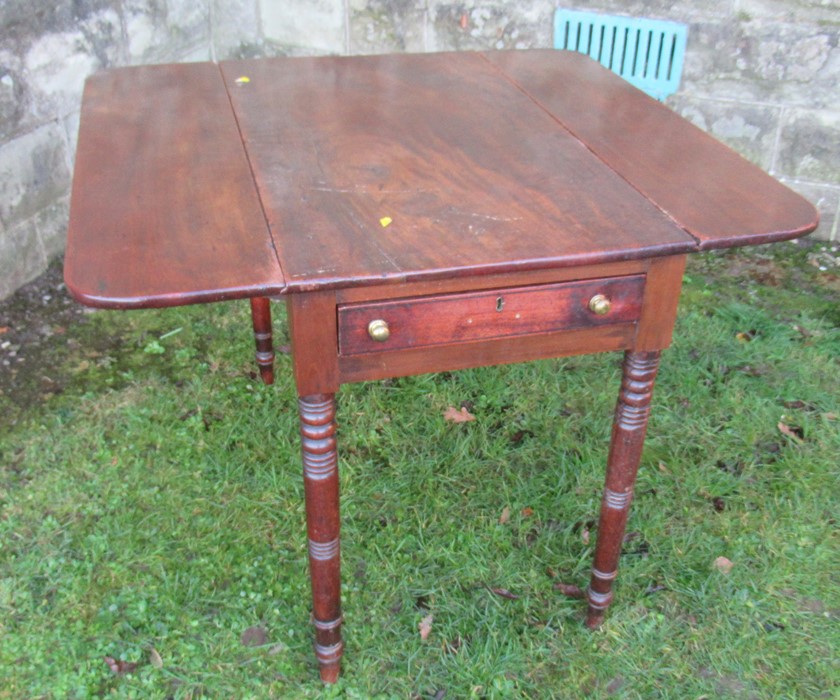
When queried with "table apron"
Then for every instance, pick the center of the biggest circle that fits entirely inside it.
(497, 351)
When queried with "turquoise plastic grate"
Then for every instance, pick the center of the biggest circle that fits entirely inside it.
(648, 53)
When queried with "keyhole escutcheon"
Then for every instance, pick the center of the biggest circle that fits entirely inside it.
(500, 303)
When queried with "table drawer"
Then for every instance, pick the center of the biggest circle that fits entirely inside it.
(459, 318)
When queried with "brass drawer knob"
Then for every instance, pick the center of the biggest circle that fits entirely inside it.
(599, 304)
(378, 330)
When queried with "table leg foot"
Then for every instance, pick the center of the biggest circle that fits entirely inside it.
(261, 318)
(320, 471)
(629, 426)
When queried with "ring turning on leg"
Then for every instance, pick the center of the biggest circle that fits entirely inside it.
(261, 319)
(629, 426)
(320, 471)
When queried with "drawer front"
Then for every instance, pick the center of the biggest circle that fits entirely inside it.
(461, 318)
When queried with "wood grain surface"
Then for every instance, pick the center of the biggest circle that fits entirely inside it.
(717, 196)
(473, 175)
(470, 316)
(164, 210)
(317, 173)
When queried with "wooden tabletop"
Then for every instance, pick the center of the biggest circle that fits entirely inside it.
(202, 182)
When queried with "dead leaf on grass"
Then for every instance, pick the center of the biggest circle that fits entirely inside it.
(453, 415)
(155, 659)
(505, 516)
(504, 593)
(254, 637)
(794, 432)
(527, 512)
(425, 627)
(723, 565)
(569, 590)
(119, 666)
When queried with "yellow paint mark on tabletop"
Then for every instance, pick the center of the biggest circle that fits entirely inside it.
(242, 80)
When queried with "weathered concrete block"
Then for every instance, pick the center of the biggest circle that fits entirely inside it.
(33, 173)
(315, 25)
(656, 9)
(41, 72)
(827, 201)
(25, 20)
(14, 95)
(158, 32)
(57, 65)
(809, 147)
(385, 26)
(747, 128)
(764, 62)
(490, 25)
(235, 26)
(22, 257)
(814, 11)
(51, 225)
(70, 124)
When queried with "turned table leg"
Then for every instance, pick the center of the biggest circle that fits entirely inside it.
(629, 426)
(261, 318)
(320, 471)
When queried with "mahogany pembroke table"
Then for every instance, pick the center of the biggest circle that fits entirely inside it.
(418, 213)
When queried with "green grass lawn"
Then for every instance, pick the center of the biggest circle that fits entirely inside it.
(152, 512)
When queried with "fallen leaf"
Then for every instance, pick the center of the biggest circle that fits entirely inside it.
(615, 685)
(532, 536)
(4, 329)
(831, 416)
(745, 336)
(527, 512)
(519, 436)
(453, 415)
(723, 565)
(663, 468)
(751, 371)
(119, 666)
(505, 516)
(464, 20)
(770, 626)
(569, 590)
(795, 433)
(504, 593)
(719, 504)
(425, 627)
(254, 637)
(803, 405)
(732, 467)
(154, 658)
(584, 535)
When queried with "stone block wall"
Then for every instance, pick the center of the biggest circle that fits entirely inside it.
(761, 75)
